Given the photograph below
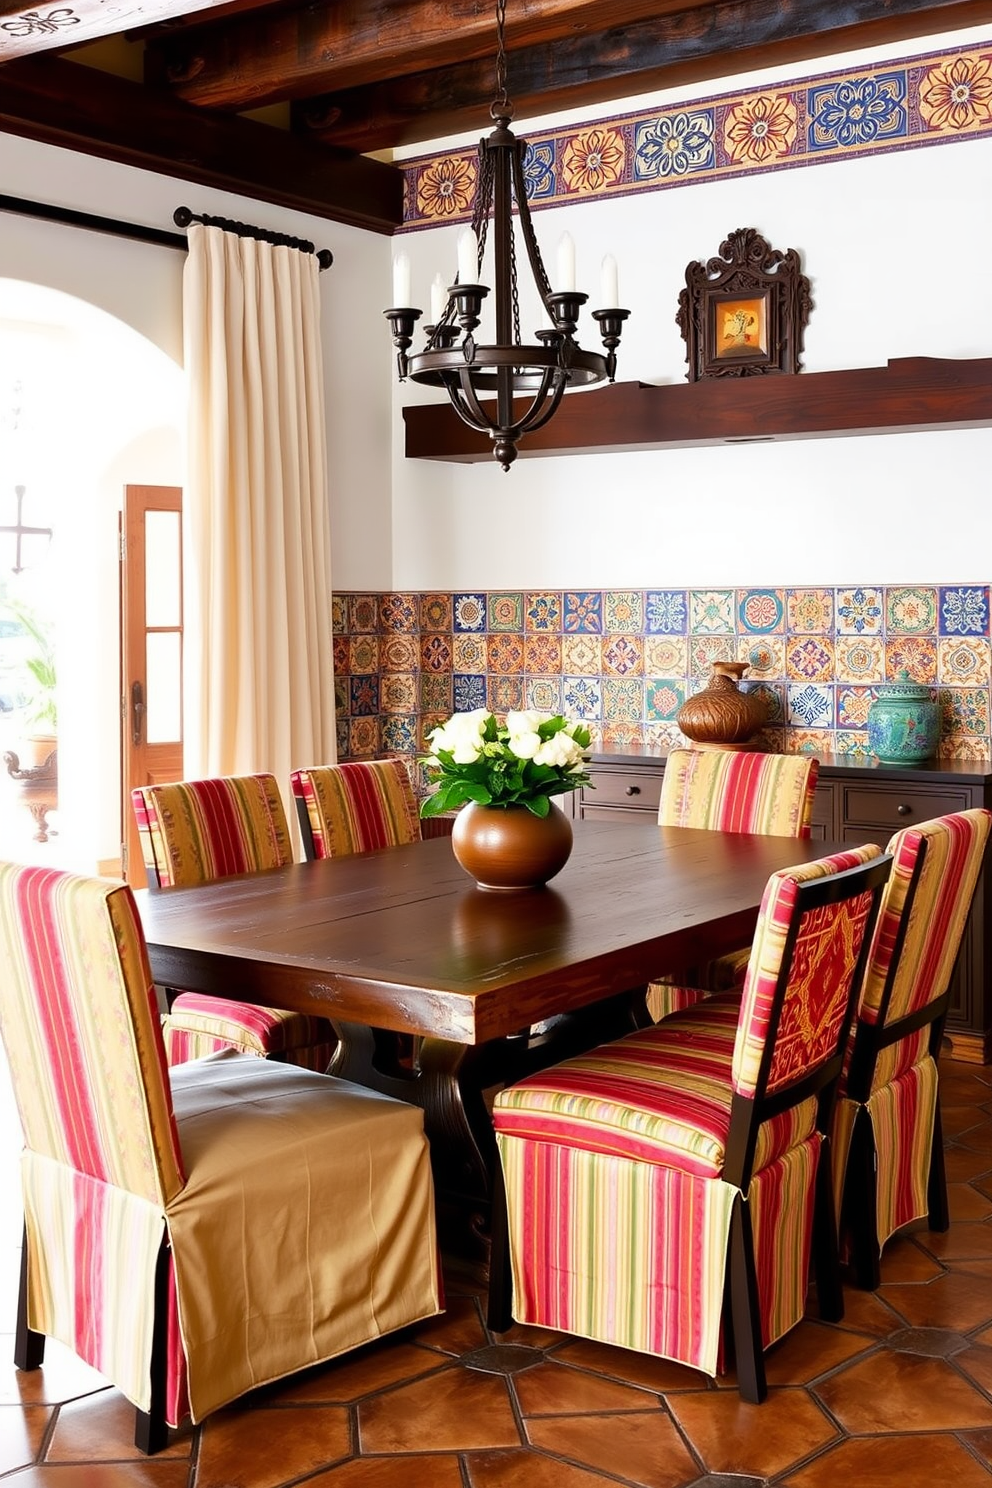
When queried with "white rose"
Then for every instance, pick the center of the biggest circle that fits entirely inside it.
(525, 721)
(466, 752)
(524, 745)
(559, 750)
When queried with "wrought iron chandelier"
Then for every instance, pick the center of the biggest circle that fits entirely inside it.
(506, 389)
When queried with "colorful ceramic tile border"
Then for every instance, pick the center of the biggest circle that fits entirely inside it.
(917, 101)
(625, 660)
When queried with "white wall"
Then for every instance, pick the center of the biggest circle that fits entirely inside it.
(890, 244)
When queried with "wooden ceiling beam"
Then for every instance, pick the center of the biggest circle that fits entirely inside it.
(65, 103)
(24, 32)
(711, 42)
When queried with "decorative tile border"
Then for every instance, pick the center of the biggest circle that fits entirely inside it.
(917, 101)
(625, 660)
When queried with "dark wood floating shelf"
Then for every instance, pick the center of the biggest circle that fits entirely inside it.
(911, 393)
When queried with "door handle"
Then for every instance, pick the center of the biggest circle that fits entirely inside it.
(137, 711)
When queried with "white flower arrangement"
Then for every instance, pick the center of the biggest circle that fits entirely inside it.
(522, 762)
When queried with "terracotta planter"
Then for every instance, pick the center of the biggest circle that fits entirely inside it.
(721, 716)
(508, 847)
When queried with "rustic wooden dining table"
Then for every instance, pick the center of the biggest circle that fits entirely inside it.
(401, 942)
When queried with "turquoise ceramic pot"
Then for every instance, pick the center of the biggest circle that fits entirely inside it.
(903, 723)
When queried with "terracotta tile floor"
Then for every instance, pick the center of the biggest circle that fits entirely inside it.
(899, 1393)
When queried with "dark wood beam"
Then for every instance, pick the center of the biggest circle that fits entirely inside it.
(709, 42)
(25, 30)
(64, 103)
(909, 393)
(285, 53)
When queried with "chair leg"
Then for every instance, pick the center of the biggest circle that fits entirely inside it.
(860, 1204)
(29, 1347)
(938, 1213)
(500, 1303)
(744, 1308)
(151, 1429)
(826, 1255)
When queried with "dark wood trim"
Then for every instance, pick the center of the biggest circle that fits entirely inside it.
(910, 393)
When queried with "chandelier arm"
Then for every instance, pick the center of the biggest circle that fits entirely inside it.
(527, 229)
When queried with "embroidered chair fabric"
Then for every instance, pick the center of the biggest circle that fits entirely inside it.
(193, 831)
(150, 1194)
(887, 1148)
(639, 1175)
(730, 791)
(355, 807)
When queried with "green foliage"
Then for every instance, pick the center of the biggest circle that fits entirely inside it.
(522, 762)
(41, 708)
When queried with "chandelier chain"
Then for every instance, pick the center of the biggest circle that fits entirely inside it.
(502, 108)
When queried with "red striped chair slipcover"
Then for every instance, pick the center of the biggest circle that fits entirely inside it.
(636, 1175)
(149, 1194)
(887, 1149)
(193, 831)
(355, 807)
(730, 791)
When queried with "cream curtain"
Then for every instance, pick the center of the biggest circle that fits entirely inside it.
(257, 602)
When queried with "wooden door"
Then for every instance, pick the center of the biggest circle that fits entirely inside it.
(151, 652)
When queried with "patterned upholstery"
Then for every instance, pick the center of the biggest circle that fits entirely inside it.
(730, 791)
(886, 1144)
(633, 1172)
(355, 807)
(194, 831)
(149, 1193)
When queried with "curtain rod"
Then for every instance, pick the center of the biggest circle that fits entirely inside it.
(70, 218)
(182, 217)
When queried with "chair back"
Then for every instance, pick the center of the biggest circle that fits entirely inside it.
(739, 791)
(80, 1025)
(355, 807)
(193, 831)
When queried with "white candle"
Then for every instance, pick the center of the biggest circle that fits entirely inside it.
(610, 294)
(401, 282)
(439, 299)
(468, 257)
(566, 264)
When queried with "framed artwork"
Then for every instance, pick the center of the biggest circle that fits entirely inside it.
(745, 311)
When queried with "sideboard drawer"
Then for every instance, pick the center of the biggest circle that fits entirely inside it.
(894, 807)
(638, 790)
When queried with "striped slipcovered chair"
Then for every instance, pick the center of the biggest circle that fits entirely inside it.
(682, 1165)
(194, 831)
(887, 1148)
(730, 791)
(355, 807)
(149, 1194)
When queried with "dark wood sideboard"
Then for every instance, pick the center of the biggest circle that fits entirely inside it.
(857, 800)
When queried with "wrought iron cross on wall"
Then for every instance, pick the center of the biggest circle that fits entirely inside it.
(20, 531)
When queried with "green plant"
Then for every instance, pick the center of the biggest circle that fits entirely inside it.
(522, 762)
(41, 707)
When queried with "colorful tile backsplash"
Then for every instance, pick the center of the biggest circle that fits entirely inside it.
(625, 660)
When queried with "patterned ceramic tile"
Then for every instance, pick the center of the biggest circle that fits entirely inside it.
(852, 706)
(810, 707)
(809, 611)
(964, 748)
(964, 610)
(705, 650)
(810, 659)
(623, 656)
(620, 735)
(468, 611)
(342, 655)
(761, 611)
(398, 692)
(623, 610)
(711, 611)
(342, 734)
(506, 654)
(666, 657)
(435, 612)
(663, 697)
(916, 655)
(363, 655)
(772, 739)
(582, 697)
(859, 611)
(542, 653)
(504, 694)
(435, 653)
(363, 738)
(583, 611)
(399, 734)
(772, 695)
(399, 653)
(342, 695)
(964, 710)
(364, 696)
(623, 699)
(543, 693)
(506, 611)
(399, 612)
(469, 691)
(911, 611)
(542, 611)
(765, 657)
(666, 612)
(966, 662)
(469, 653)
(852, 741)
(810, 741)
(436, 693)
(859, 659)
(663, 737)
(581, 653)
(363, 613)
(428, 723)
(339, 614)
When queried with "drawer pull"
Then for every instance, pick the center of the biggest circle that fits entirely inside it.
(904, 810)
(633, 790)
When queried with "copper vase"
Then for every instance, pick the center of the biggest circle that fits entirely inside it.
(721, 716)
(508, 847)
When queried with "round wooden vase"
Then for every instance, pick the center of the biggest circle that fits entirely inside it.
(508, 847)
(721, 716)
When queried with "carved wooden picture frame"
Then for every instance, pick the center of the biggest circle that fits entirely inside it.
(745, 311)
